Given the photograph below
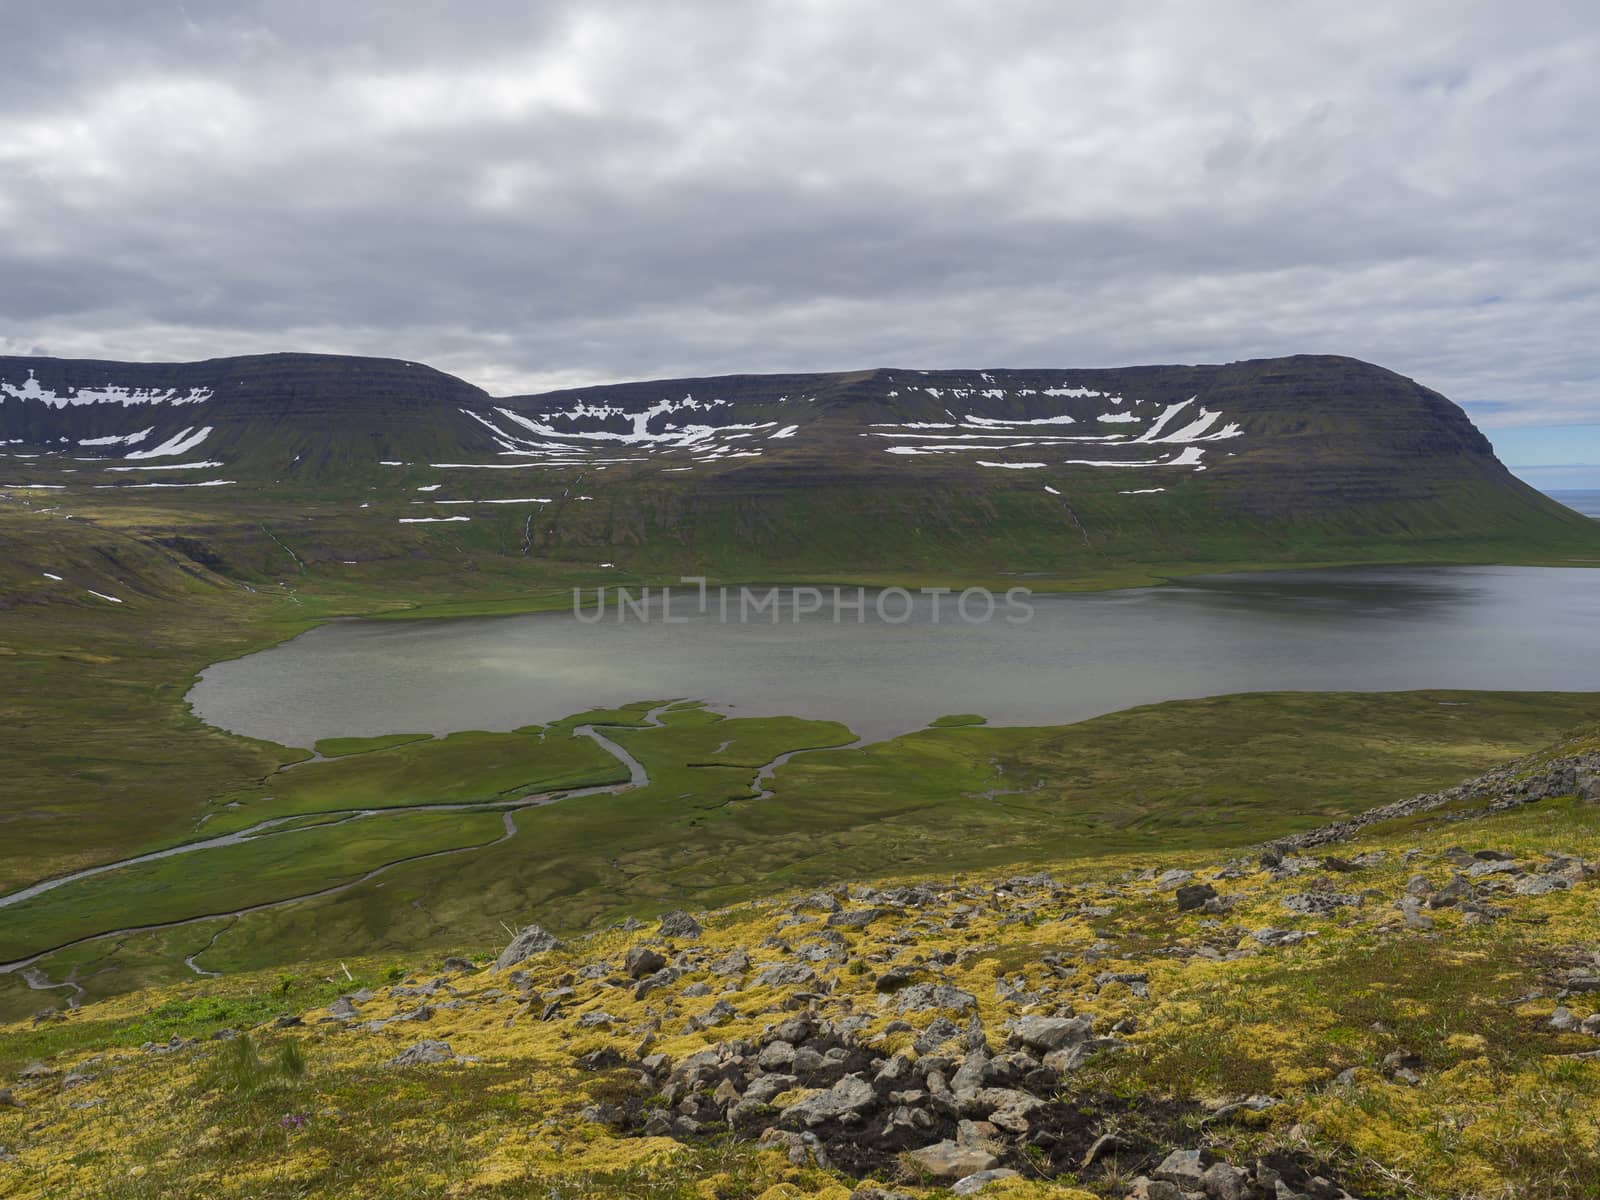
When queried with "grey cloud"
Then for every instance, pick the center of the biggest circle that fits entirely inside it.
(543, 195)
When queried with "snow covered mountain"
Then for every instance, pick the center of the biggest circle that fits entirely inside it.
(1141, 456)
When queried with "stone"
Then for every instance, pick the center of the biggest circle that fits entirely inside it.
(941, 1031)
(1457, 891)
(1051, 1033)
(424, 1053)
(1145, 1188)
(1194, 895)
(1562, 1020)
(855, 918)
(1282, 937)
(978, 1180)
(920, 997)
(595, 1019)
(948, 1160)
(533, 939)
(1223, 1181)
(641, 961)
(1411, 910)
(785, 974)
(735, 962)
(679, 924)
(8, 1099)
(1319, 904)
(1099, 1148)
(36, 1070)
(1539, 885)
(1186, 1168)
(845, 1100)
(343, 1009)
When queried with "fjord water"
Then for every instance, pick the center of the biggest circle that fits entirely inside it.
(1080, 655)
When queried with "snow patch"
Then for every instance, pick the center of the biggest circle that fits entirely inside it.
(178, 444)
(127, 439)
(109, 394)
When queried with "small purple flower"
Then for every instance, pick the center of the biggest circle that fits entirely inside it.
(292, 1121)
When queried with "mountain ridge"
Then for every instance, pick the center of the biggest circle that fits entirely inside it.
(1308, 455)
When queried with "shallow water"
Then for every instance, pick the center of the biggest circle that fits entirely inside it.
(1364, 629)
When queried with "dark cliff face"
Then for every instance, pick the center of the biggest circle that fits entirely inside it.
(1289, 438)
(322, 411)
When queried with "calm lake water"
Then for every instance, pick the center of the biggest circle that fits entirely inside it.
(1079, 656)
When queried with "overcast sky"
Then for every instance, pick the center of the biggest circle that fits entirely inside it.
(534, 195)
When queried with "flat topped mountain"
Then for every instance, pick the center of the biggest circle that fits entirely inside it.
(1324, 444)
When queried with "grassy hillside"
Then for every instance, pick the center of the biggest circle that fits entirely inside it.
(1351, 1041)
(1190, 773)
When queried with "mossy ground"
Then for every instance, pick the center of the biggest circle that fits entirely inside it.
(1503, 1110)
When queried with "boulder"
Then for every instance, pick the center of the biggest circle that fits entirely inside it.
(534, 939)
(978, 1180)
(951, 1160)
(1185, 1168)
(1045, 1034)
(642, 960)
(1194, 895)
(845, 1100)
(679, 924)
(424, 1053)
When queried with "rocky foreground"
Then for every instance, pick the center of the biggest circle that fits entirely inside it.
(1414, 1014)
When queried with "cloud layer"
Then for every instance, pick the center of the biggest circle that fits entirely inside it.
(537, 195)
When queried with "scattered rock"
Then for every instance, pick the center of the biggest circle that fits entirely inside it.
(641, 961)
(680, 925)
(533, 939)
(978, 1180)
(1194, 895)
(424, 1053)
(950, 1160)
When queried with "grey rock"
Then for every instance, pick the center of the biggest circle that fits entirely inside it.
(1051, 1033)
(1539, 885)
(1411, 909)
(920, 997)
(679, 924)
(855, 918)
(1145, 1188)
(1223, 1181)
(1282, 937)
(1186, 1168)
(735, 962)
(785, 974)
(1457, 891)
(951, 1160)
(845, 1100)
(941, 1031)
(595, 1019)
(642, 960)
(533, 939)
(424, 1053)
(1194, 895)
(978, 1180)
(1562, 1020)
(1319, 904)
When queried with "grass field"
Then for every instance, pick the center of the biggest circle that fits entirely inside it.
(1189, 774)
(104, 761)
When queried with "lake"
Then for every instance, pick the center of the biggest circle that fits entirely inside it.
(1080, 654)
